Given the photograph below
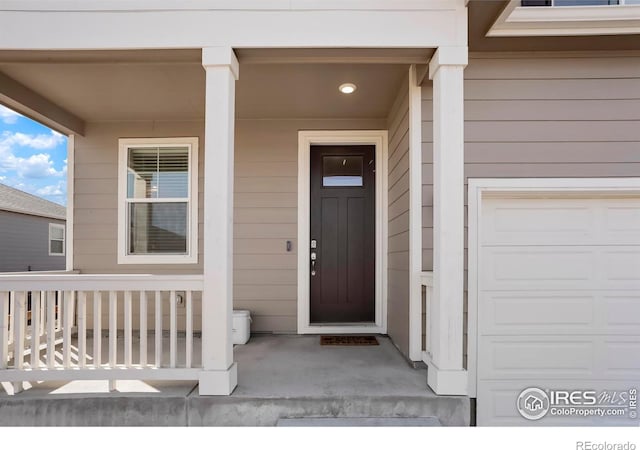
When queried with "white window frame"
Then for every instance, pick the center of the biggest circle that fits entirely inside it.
(191, 257)
(59, 226)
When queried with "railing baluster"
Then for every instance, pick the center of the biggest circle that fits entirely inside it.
(12, 312)
(4, 329)
(143, 328)
(189, 330)
(158, 348)
(60, 310)
(51, 329)
(35, 329)
(82, 329)
(173, 329)
(113, 328)
(128, 345)
(20, 323)
(43, 312)
(97, 328)
(67, 320)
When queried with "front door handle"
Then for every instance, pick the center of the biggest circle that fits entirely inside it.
(313, 263)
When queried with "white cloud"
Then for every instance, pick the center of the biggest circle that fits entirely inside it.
(37, 142)
(53, 190)
(8, 116)
(35, 166)
(26, 165)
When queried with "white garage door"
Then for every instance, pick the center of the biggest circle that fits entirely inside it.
(558, 302)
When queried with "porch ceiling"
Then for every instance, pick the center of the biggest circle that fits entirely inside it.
(170, 84)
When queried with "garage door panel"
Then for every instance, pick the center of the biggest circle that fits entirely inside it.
(517, 313)
(559, 357)
(505, 267)
(621, 264)
(622, 358)
(623, 311)
(575, 221)
(560, 267)
(536, 356)
(558, 301)
(496, 404)
(559, 312)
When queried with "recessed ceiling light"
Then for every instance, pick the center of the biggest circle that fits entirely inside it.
(347, 88)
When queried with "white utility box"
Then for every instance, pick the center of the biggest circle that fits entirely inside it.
(241, 326)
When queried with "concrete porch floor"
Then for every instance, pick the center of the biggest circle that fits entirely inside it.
(279, 377)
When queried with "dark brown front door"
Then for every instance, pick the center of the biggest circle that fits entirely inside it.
(342, 246)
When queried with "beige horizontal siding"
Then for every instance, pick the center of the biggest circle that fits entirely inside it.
(542, 117)
(265, 213)
(96, 194)
(266, 217)
(398, 225)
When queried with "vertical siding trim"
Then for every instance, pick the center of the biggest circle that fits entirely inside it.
(70, 194)
(415, 216)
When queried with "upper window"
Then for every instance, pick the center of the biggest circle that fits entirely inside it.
(158, 188)
(567, 18)
(56, 239)
(341, 171)
(578, 2)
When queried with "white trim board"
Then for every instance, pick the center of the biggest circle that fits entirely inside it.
(343, 137)
(519, 188)
(71, 147)
(415, 215)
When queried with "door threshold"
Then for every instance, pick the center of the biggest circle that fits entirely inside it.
(342, 328)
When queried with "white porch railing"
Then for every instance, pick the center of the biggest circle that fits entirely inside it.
(426, 281)
(51, 327)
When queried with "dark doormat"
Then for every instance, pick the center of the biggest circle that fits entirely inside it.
(348, 340)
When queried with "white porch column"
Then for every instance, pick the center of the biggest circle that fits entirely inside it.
(219, 376)
(446, 374)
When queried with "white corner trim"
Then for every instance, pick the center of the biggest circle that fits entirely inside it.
(192, 237)
(415, 216)
(519, 187)
(342, 137)
(70, 201)
(517, 20)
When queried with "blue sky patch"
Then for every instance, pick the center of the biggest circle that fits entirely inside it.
(33, 158)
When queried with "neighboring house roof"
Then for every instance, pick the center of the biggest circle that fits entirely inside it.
(14, 200)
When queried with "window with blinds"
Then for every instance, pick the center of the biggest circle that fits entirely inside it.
(56, 239)
(158, 199)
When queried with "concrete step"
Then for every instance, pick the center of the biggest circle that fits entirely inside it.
(122, 409)
(360, 422)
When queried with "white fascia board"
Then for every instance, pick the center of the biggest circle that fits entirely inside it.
(234, 5)
(95, 30)
(566, 20)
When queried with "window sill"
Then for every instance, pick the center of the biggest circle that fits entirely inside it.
(517, 20)
(157, 259)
